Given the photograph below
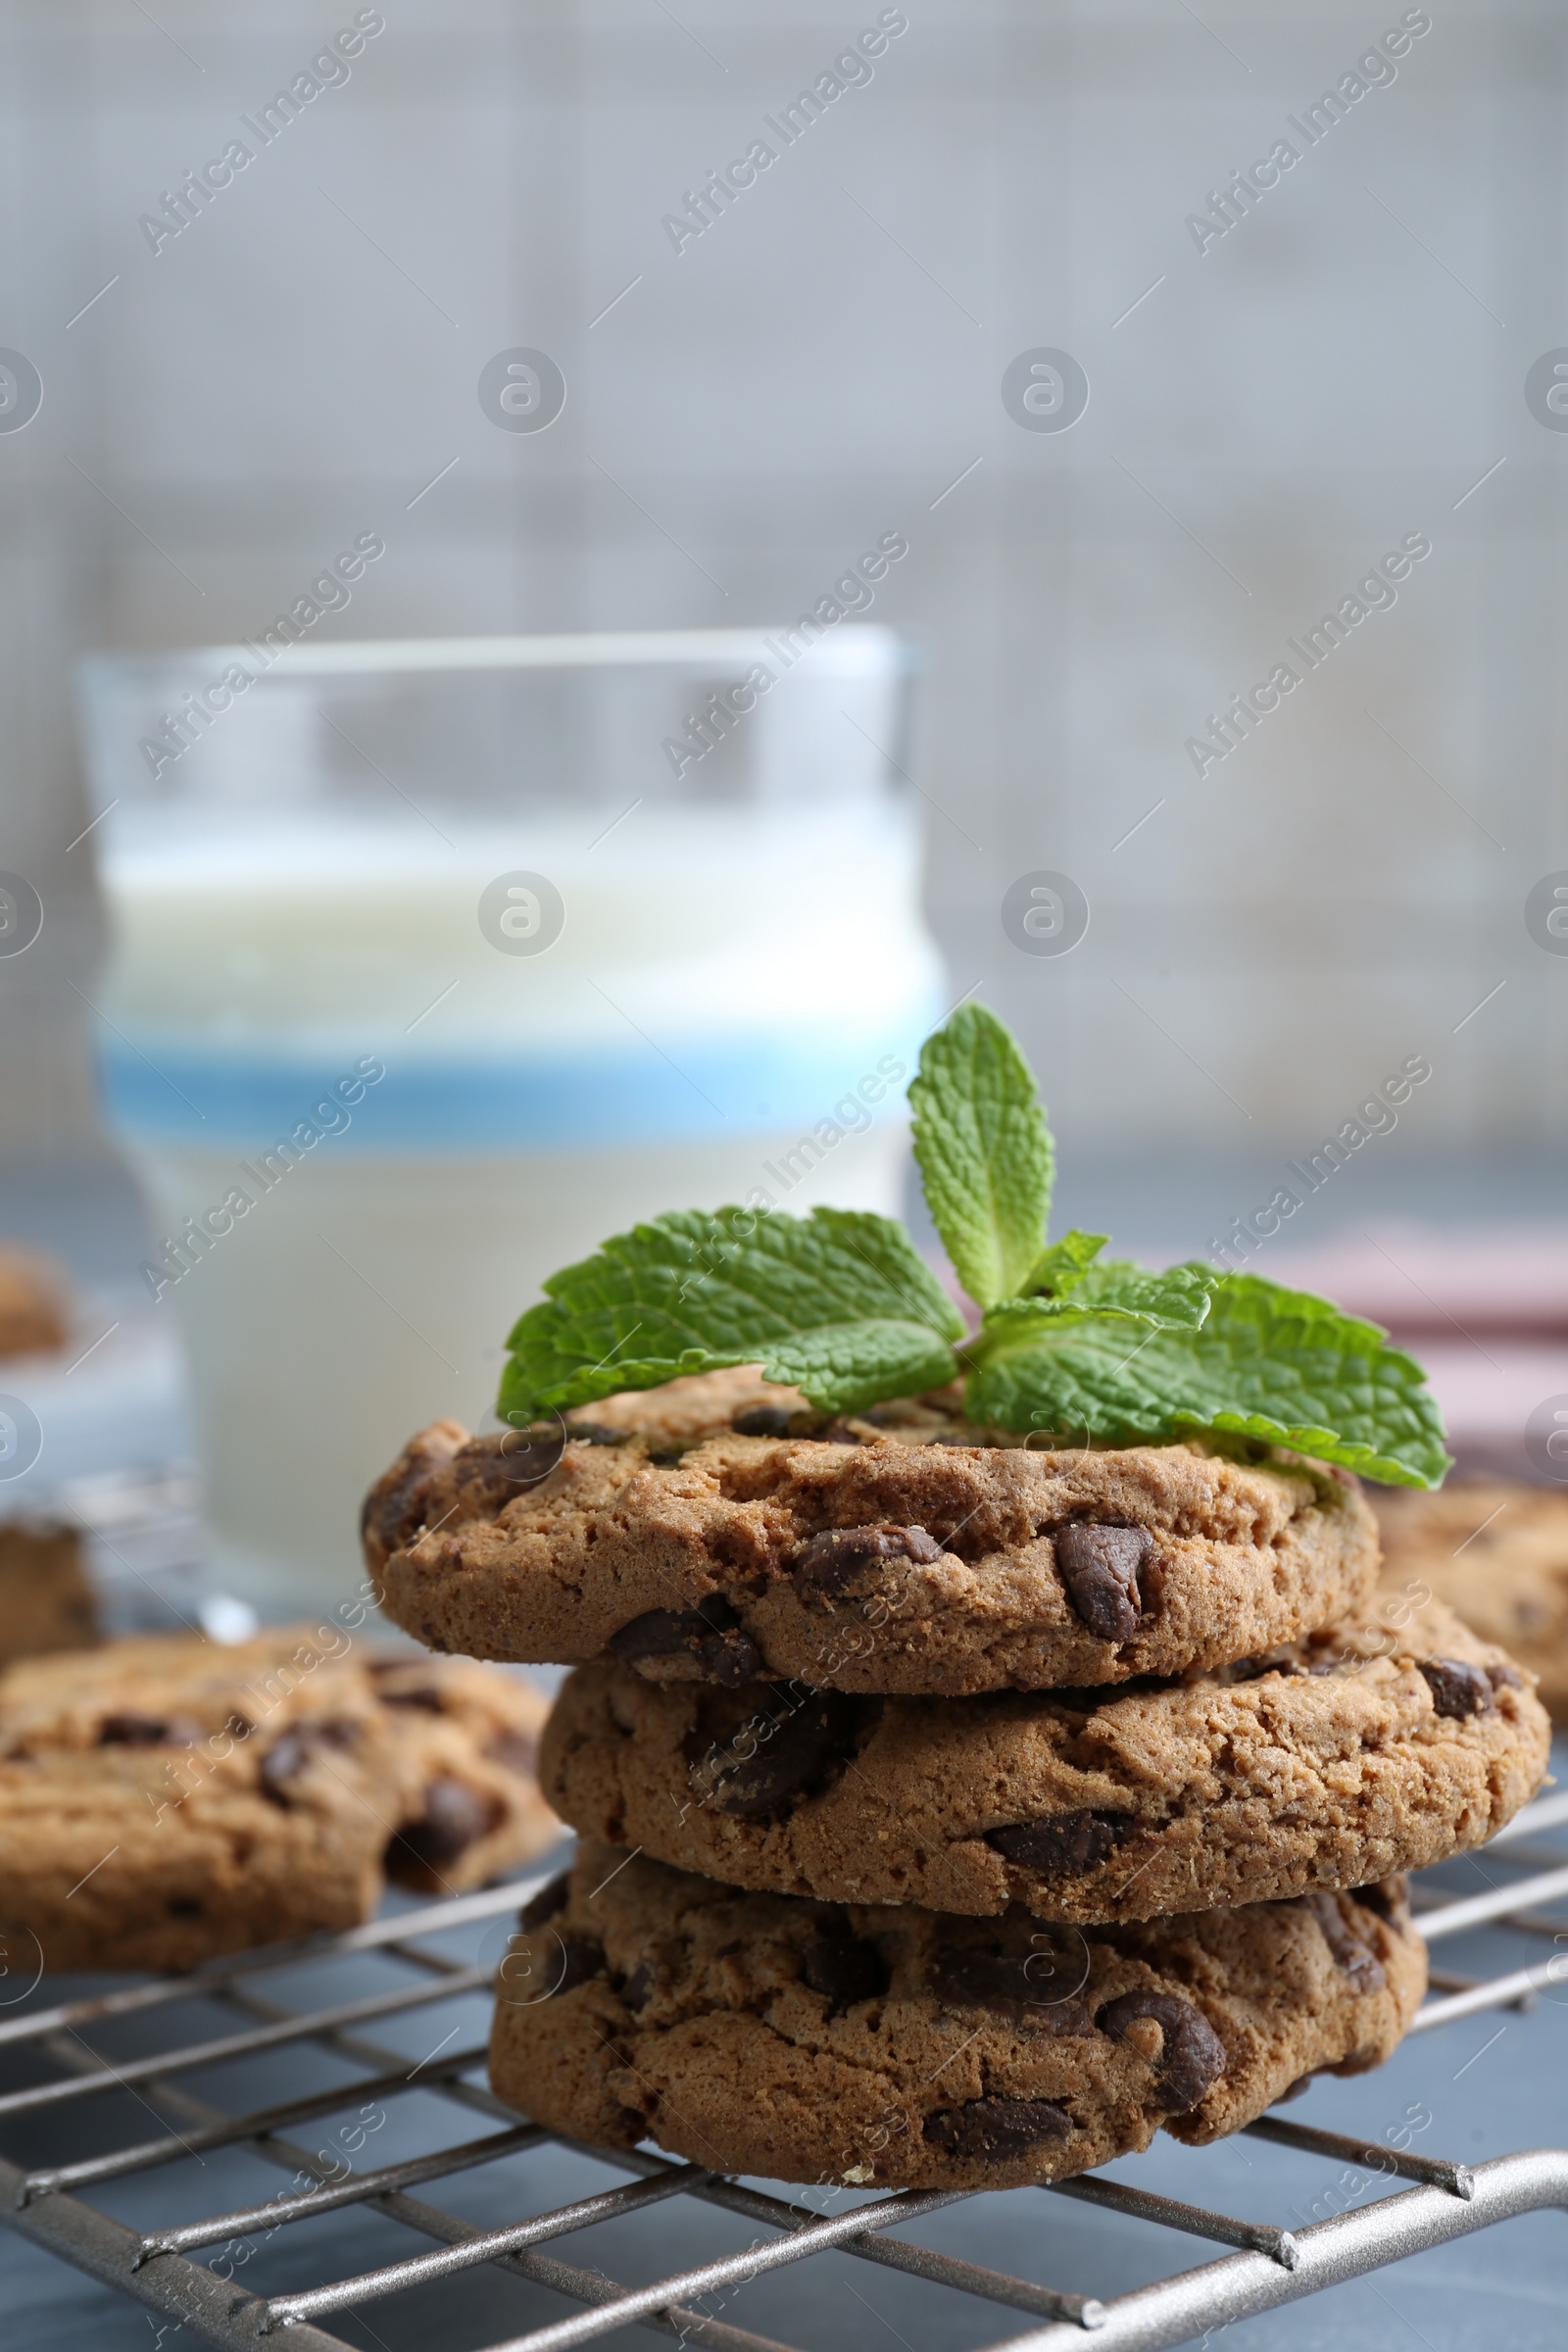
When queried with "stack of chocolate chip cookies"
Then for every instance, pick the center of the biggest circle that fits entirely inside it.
(955, 1813)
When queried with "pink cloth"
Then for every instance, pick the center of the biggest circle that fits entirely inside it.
(1484, 1309)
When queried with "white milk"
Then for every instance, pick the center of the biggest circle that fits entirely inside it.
(368, 1133)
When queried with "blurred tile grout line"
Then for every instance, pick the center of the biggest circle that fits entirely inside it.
(1375, 69)
(181, 207)
(850, 69)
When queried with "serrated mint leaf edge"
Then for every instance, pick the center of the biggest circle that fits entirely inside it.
(1319, 1446)
(796, 1363)
(975, 1209)
(1072, 1253)
(1189, 1282)
(929, 1363)
(1420, 1462)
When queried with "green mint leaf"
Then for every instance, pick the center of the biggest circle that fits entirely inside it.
(838, 1303)
(984, 1152)
(1053, 1267)
(1270, 1363)
(844, 1367)
(1179, 1296)
(1176, 1300)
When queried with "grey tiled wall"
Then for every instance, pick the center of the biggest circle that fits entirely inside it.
(820, 365)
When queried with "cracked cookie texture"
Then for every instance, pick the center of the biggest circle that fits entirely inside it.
(706, 1537)
(896, 2046)
(1390, 1743)
(164, 1801)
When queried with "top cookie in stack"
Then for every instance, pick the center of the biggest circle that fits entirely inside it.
(708, 1532)
(867, 1633)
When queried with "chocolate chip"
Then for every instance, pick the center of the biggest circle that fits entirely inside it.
(1099, 1566)
(491, 1472)
(638, 1986)
(455, 1817)
(550, 1900)
(1355, 1958)
(826, 1563)
(763, 1421)
(184, 1906)
(282, 1765)
(710, 1633)
(292, 1750)
(422, 1694)
(793, 1754)
(839, 1432)
(515, 1751)
(1023, 1988)
(845, 1969)
(1062, 1843)
(658, 1633)
(1505, 1678)
(997, 2127)
(148, 1730)
(394, 1509)
(1192, 2058)
(584, 1959)
(597, 1433)
(1389, 1899)
(1458, 1688)
(1252, 1670)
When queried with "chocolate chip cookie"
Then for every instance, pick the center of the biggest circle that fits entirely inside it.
(164, 1801)
(902, 1551)
(468, 1752)
(1358, 1753)
(1499, 1554)
(46, 1596)
(906, 2048)
(33, 1315)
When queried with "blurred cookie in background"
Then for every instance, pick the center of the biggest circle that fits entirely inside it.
(33, 1317)
(46, 1596)
(167, 1799)
(1498, 1555)
(468, 1738)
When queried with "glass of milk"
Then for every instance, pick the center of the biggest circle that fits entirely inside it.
(434, 963)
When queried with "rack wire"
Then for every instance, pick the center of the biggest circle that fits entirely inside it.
(1266, 2266)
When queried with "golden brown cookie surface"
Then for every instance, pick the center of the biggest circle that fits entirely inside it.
(163, 1800)
(46, 1597)
(1353, 1757)
(892, 2045)
(890, 1553)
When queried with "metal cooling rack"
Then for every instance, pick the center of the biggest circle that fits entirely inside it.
(1268, 2266)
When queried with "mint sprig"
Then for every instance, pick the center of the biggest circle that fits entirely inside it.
(984, 1152)
(1266, 1362)
(840, 1305)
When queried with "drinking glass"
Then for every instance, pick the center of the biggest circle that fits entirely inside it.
(436, 963)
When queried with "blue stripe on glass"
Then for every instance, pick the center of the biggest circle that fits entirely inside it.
(166, 1091)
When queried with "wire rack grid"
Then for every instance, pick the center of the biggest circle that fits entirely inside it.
(1266, 2267)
